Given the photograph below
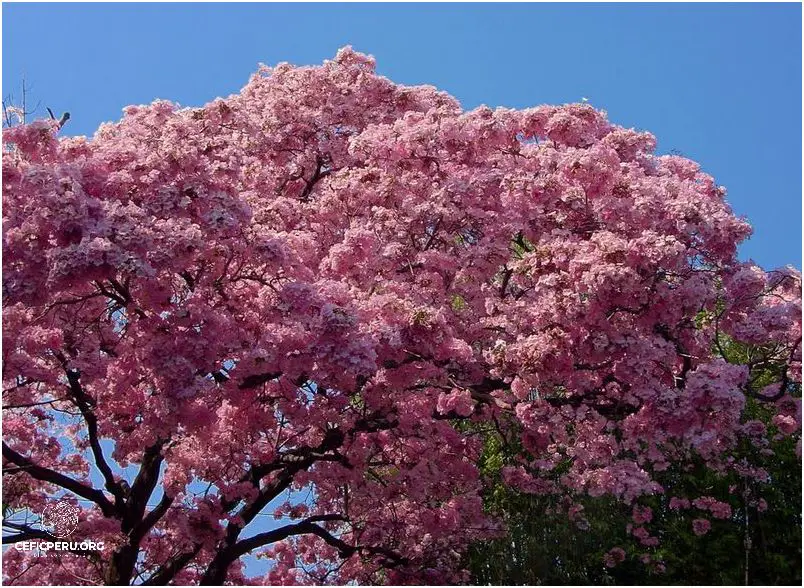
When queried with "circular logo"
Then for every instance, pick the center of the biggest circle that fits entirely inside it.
(60, 519)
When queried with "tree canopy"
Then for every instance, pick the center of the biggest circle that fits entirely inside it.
(329, 281)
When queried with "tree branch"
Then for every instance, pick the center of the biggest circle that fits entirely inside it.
(85, 404)
(145, 482)
(319, 174)
(47, 475)
(305, 526)
(171, 568)
(152, 518)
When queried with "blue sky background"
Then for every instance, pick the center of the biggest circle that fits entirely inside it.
(719, 83)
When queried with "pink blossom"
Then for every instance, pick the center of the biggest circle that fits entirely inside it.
(786, 423)
(613, 557)
(754, 428)
(642, 514)
(679, 503)
(640, 533)
(458, 401)
(701, 526)
(720, 510)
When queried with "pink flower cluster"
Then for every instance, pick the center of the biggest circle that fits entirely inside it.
(719, 510)
(701, 526)
(613, 557)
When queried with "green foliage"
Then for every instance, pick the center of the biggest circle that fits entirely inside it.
(542, 545)
(755, 546)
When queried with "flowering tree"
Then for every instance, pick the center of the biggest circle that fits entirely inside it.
(330, 281)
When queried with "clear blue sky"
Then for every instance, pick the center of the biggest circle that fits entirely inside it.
(719, 83)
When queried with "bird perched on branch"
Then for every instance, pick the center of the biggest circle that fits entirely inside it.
(63, 120)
